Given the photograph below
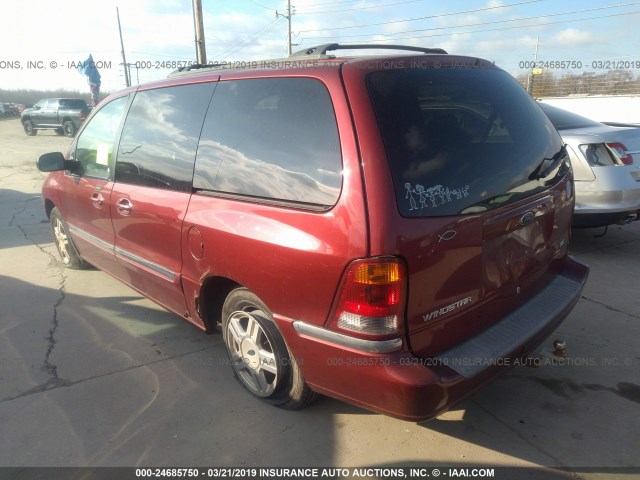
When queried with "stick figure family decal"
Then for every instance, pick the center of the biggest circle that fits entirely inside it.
(438, 195)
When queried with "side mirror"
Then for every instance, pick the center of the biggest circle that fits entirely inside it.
(36, 107)
(54, 162)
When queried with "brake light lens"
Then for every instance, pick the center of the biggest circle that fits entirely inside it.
(371, 298)
(621, 152)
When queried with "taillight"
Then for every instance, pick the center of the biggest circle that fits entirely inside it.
(371, 298)
(621, 152)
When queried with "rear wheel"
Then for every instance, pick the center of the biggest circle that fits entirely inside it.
(66, 248)
(28, 128)
(69, 128)
(259, 356)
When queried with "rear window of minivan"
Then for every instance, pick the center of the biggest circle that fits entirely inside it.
(460, 140)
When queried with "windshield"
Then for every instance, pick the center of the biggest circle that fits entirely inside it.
(462, 140)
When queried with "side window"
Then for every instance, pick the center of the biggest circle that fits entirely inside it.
(160, 137)
(271, 138)
(95, 145)
(72, 103)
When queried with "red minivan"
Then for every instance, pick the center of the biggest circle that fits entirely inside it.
(389, 231)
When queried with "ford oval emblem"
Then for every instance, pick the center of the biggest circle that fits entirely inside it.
(527, 218)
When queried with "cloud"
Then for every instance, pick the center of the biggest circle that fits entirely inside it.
(495, 4)
(158, 32)
(572, 37)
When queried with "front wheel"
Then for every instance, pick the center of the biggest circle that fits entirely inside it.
(69, 128)
(259, 356)
(28, 128)
(66, 248)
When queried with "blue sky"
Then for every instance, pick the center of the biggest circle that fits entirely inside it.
(503, 31)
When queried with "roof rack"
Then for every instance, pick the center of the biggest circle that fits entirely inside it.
(192, 68)
(318, 52)
(321, 50)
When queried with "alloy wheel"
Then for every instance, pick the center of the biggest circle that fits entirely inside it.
(251, 352)
(62, 240)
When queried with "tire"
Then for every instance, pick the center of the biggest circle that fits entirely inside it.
(69, 128)
(259, 356)
(28, 128)
(59, 131)
(66, 248)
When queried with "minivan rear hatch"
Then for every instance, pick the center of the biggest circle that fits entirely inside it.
(483, 194)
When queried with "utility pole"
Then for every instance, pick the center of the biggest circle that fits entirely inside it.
(137, 73)
(201, 52)
(288, 17)
(533, 70)
(124, 60)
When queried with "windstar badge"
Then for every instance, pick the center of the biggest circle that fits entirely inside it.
(448, 309)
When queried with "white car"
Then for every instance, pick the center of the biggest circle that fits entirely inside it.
(606, 167)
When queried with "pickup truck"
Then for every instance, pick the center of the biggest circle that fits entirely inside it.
(64, 115)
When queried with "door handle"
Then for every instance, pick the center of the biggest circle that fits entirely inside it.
(124, 206)
(97, 199)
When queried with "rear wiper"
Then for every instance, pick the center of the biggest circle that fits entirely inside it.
(548, 165)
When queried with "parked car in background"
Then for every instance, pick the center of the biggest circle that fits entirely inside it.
(620, 124)
(606, 167)
(2, 111)
(64, 115)
(390, 232)
(10, 110)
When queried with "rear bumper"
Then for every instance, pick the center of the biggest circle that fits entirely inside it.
(399, 384)
(614, 193)
(589, 220)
